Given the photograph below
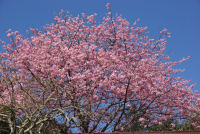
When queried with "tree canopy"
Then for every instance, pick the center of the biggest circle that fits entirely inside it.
(88, 76)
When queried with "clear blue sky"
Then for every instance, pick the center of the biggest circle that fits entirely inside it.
(180, 17)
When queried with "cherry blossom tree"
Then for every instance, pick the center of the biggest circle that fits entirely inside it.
(86, 76)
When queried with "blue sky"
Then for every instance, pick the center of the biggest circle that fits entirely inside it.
(180, 17)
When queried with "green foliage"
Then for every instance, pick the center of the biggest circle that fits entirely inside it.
(165, 126)
(4, 127)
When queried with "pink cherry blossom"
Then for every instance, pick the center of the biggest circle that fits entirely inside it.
(141, 120)
(108, 6)
(89, 72)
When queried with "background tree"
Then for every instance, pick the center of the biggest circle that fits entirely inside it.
(87, 76)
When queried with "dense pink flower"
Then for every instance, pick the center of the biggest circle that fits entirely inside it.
(108, 6)
(173, 125)
(95, 72)
(141, 120)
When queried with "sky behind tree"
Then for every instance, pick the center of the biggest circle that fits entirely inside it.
(180, 17)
